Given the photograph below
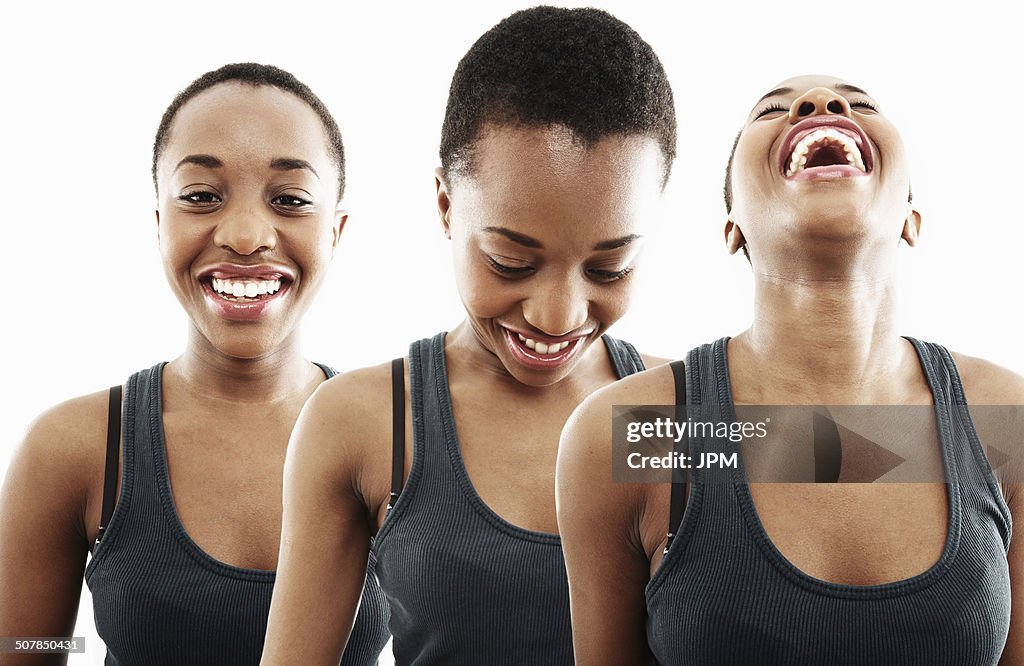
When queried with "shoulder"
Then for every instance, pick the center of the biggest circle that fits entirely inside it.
(68, 433)
(343, 423)
(588, 430)
(986, 383)
(352, 395)
(60, 459)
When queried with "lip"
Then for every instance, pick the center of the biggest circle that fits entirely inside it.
(248, 272)
(535, 361)
(805, 127)
(252, 310)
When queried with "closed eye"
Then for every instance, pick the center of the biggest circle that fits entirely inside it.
(609, 276)
(771, 108)
(508, 270)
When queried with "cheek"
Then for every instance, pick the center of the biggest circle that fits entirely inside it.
(484, 294)
(609, 303)
(180, 243)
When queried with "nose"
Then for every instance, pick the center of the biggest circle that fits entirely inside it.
(818, 101)
(557, 307)
(245, 231)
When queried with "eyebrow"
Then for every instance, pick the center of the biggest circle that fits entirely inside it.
(530, 242)
(846, 87)
(616, 242)
(208, 161)
(772, 93)
(522, 239)
(278, 164)
(289, 163)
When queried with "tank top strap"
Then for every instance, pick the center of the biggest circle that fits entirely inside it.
(963, 446)
(139, 494)
(625, 358)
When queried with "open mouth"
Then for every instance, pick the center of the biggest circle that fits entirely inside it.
(542, 354)
(826, 145)
(243, 292)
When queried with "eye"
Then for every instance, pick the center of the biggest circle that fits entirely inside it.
(199, 198)
(770, 109)
(510, 271)
(599, 275)
(864, 107)
(290, 201)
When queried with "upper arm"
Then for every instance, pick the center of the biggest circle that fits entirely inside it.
(43, 542)
(599, 521)
(325, 531)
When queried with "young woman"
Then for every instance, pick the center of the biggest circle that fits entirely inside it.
(249, 172)
(801, 573)
(553, 155)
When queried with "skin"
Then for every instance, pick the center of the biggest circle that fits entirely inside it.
(533, 185)
(823, 254)
(233, 394)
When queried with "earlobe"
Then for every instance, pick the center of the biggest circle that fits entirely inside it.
(912, 228)
(734, 240)
(444, 202)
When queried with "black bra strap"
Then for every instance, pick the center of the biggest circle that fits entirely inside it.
(397, 429)
(113, 448)
(677, 505)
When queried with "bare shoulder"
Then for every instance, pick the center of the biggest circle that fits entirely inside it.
(354, 398)
(342, 440)
(60, 459)
(587, 433)
(986, 383)
(67, 436)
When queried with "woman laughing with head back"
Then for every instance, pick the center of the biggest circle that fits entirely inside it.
(802, 573)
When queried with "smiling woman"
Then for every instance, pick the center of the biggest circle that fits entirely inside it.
(184, 522)
(553, 159)
(718, 570)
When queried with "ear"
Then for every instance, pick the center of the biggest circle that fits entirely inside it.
(340, 218)
(157, 213)
(734, 239)
(912, 227)
(444, 202)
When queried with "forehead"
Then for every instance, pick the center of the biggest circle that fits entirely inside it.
(545, 179)
(239, 120)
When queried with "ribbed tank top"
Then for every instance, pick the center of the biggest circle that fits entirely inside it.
(725, 595)
(466, 586)
(158, 597)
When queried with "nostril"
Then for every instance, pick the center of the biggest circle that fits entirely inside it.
(805, 109)
(835, 107)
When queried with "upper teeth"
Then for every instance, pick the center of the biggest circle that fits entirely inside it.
(246, 288)
(798, 160)
(542, 348)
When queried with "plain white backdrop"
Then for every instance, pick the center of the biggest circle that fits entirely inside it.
(84, 86)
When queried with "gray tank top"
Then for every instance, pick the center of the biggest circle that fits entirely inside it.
(466, 586)
(725, 595)
(158, 597)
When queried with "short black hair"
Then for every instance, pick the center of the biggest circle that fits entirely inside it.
(255, 75)
(580, 68)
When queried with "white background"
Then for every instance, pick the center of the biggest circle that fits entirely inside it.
(84, 87)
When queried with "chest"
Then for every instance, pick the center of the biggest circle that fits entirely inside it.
(225, 475)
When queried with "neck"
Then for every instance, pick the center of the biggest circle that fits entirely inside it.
(278, 375)
(833, 338)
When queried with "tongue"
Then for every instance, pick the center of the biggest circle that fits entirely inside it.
(825, 155)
